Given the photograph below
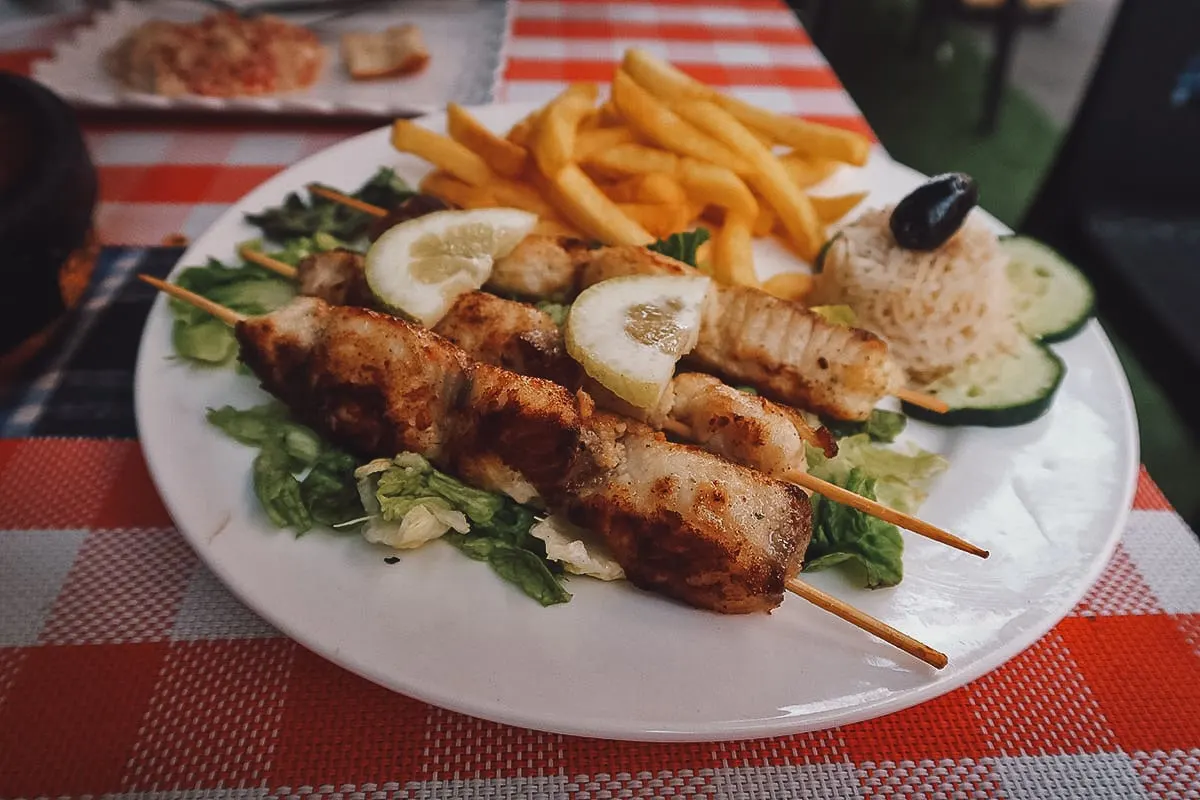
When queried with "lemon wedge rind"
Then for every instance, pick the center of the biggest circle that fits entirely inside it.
(629, 332)
(421, 266)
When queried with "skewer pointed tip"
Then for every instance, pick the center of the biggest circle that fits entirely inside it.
(864, 621)
(922, 400)
(880, 511)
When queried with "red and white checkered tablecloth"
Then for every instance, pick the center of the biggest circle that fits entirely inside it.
(127, 670)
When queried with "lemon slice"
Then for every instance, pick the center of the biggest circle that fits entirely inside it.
(629, 332)
(421, 266)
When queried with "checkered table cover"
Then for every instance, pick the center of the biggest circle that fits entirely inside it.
(126, 669)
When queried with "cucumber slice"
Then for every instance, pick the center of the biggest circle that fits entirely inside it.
(1052, 297)
(1007, 390)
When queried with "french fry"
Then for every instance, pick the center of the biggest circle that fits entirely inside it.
(812, 139)
(608, 116)
(585, 205)
(832, 209)
(522, 133)
(661, 79)
(715, 185)
(805, 172)
(523, 196)
(624, 190)
(652, 188)
(765, 222)
(633, 159)
(704, 255)
(763, 139)
(554, 227)
(659, 187)
(792, 205)
(789, 285)
(733, 252)
(590, 142)
(808, 138)
(659, 220)
(590, 121)
(501, 155)
(647, 115)
(452, 190)
(441, 151)
(554, 140)
(714, 215)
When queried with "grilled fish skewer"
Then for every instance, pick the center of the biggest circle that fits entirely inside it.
(746, 429)
(731, 543)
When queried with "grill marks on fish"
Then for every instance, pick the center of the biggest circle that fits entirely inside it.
(744, 428)
(512, 335)
(532, 425)
(540, 267)
(686, 523)
(620, 261)
(781, 348)
(791, 354)
(379, 386)
(680, 521)
(335, 276)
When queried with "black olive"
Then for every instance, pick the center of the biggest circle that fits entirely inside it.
(934, 211)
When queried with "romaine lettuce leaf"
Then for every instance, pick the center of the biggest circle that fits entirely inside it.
(408, 503)
(902, 474)
(297, 217)
(895, 477)
(842, 534)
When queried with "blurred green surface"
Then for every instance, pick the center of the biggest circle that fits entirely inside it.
(925, 109)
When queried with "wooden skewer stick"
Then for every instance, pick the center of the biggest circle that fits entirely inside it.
(907, 395)
(857, 501)
(922, 400)
(815, 596)
(226, 315)
(264, 260)
(347, 200)
(866, 622)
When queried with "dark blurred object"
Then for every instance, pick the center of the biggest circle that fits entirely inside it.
(47, 196)
(1005, 16)
(1123, 197)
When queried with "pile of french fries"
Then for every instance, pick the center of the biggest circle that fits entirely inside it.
(664, 154)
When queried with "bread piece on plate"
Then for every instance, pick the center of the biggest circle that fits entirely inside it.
(399, 50)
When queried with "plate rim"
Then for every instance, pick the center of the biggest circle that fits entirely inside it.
(496, 710)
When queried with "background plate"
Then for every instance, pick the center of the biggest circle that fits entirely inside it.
(1048, 499)
(464, 38)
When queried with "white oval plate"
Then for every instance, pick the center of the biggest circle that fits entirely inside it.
(1049, 500)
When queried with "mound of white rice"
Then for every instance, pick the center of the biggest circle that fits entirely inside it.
(937, 310)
